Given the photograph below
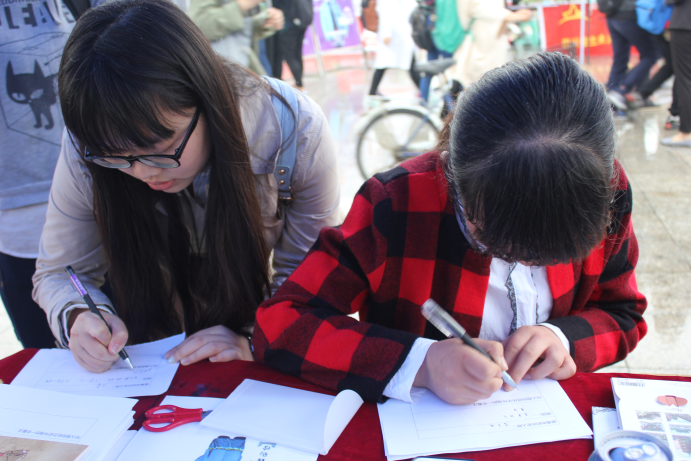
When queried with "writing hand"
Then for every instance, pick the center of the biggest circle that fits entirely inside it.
(530, 343)
(459, 374)
(218, 344)
(92, 345)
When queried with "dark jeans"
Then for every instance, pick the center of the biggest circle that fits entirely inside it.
(647, 88)
(291, 51)
(379, 73)
(680, 49)
(624, 34)
(28, 319)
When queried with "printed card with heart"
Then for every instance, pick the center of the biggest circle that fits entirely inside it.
(659, 408)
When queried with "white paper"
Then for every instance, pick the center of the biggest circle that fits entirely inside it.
(190, 441)
(539, 411)
(43, 415)
(119, 445)
(291, 417)
(605, 421)
(639, 410)
(57, 370)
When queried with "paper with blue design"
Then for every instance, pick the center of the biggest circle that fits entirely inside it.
(57, 370)
(193, 442)
(291, 417)
(538, 411)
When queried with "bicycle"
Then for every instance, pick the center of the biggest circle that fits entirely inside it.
(396, 130)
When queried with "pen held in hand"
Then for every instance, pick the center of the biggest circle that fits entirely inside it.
(92, 307)
(451, 328)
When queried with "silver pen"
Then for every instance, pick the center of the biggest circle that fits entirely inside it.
(451, 328)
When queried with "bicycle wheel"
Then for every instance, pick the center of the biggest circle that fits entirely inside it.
(392, 137)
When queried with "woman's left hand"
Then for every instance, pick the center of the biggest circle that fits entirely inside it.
(530, 343)
(218, 344)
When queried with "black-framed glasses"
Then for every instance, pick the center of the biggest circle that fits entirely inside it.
(157, 161)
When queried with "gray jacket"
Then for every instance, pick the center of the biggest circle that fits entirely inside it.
(71, 236)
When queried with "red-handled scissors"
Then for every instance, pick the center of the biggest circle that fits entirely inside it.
(176, 416)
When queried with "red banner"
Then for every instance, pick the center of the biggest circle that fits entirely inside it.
(562, 24)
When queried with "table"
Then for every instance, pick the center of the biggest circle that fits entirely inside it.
(362, 438)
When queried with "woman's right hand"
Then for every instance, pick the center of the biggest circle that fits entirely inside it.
(92, 345)
(458, 374)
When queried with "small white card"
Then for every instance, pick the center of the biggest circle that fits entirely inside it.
(605, 421)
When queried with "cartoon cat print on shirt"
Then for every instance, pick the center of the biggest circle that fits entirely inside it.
(36, 90)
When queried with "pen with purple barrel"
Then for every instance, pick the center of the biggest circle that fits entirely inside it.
(92, 307)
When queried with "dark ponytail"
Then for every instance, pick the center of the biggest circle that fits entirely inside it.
(531, 159)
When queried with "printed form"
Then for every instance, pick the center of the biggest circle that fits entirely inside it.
(539, 411)
(57, 370)
(41, 415)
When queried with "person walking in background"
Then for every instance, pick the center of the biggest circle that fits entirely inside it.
(680, 52)
(486, 46)
(235, 26)
(422, 24)
(298, 16)
(30, 140)
(395, 46)
(621, 17)
(641, 97)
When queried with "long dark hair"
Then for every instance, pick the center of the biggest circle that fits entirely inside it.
(531, 152)
(125, 64)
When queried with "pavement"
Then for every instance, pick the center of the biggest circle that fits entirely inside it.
(660, 178)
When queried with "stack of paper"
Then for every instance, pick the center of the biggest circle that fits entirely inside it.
(97, 422)
(57, 370)
(191, 442)
(539, 411)
(294, 418)
(659, 408)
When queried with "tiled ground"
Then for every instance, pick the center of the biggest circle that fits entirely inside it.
(660, 178)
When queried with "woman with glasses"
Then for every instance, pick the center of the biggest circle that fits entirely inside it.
(519, 226)
(166, 184)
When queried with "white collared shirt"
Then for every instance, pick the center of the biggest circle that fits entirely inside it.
(534, 302)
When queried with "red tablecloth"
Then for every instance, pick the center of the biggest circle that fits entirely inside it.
(362, 438)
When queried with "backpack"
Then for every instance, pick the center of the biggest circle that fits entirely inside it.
(652, 15)
(448, 34)
(609, 7)
(287, 157)
(422, 27)
(370, 18)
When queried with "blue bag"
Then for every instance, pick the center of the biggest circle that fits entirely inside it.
(652, 15)
(289, 135)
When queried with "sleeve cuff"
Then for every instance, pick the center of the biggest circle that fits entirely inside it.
(559, 333)
(400, 387)
(65, 314)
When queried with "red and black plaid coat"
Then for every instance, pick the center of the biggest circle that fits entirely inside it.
(400, 245)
